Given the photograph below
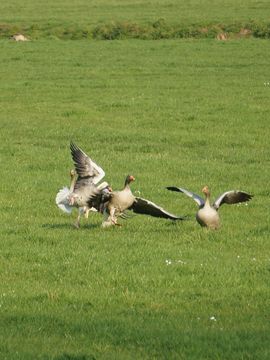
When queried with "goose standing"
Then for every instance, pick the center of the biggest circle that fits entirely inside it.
(207, 214)
(83, 185)
(117, 202)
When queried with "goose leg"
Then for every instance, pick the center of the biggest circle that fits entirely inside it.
(106, 219)
(77, 222)
(86, 212)
(112, 216)
(114, 221)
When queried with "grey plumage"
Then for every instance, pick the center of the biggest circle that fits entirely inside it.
(86, 179)
(207, 214)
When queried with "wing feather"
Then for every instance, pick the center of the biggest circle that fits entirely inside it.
(200, 201)
(143, 206)
(100, 198)
(232, 197)
(85, 167)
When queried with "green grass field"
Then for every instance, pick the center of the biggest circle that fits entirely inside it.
(91, 12)
(185, 113)
(110, 19)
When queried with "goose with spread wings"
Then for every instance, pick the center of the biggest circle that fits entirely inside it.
(84, 184)
(207, 214)
(117, 202)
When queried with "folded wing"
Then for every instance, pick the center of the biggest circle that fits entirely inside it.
(100, 197)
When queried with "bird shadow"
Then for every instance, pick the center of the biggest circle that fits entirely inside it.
(69, 226)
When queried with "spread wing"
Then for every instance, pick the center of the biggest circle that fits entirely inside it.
(85, 167)
(232, 197)
(143, 206)
(195, 197)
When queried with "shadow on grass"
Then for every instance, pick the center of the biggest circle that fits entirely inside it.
(66, 356)
(186, 218)
(70, 226)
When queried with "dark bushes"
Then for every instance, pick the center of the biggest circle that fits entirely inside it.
(159, 29)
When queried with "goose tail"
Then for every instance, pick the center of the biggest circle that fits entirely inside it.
(62, 200)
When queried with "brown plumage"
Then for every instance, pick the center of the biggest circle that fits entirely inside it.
(117, 202)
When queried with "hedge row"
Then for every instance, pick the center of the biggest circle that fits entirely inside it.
(127, 30)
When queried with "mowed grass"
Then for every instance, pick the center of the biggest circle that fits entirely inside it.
(94, 11)
(184, 113)
(125, 19)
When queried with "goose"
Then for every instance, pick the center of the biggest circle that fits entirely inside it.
(207, 214)
(19, 37)
(117, 202)
(84, 183)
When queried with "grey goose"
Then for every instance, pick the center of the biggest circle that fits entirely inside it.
(207, 215)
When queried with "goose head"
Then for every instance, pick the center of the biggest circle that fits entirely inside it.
(72, 173)
(72, 199)
(206, 191)
(108, 189)
(73, 177)
(129, 179)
